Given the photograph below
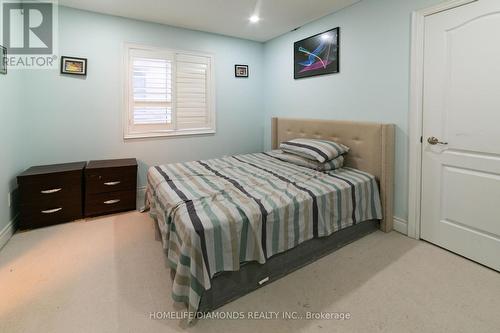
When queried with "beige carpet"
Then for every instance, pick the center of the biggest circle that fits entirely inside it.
(109, 275)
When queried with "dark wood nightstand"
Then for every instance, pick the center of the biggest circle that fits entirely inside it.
(50, 194)
(110, 186)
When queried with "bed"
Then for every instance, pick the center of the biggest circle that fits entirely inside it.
(231, 225)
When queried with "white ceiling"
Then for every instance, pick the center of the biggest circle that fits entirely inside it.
(226, 17)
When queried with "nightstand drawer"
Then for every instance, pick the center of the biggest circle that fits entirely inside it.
(50, 194)
(47, 191)
(111, 180)
(105, 203)
(34, 216)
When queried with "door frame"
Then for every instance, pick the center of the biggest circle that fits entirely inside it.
(415, 130)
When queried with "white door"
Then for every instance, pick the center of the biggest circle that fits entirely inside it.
(461, 131)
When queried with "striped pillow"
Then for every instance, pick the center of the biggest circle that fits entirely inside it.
(336, 163)
(314, 149)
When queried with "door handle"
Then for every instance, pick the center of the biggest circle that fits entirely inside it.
(435, 141)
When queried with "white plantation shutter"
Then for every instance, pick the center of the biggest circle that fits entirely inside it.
(152, 91)
(193, 95)
(168, 93)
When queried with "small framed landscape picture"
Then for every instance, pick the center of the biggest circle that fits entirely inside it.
(241, 70)
(3, 60)
(73, 66)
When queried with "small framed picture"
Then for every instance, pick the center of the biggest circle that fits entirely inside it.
(3, 60)
(73, 66)
(241, 70)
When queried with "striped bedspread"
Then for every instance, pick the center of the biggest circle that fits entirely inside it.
(216, 214)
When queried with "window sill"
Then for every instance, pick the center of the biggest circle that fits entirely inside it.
(168, 134)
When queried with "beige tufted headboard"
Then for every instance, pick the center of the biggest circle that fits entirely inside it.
(372, 149)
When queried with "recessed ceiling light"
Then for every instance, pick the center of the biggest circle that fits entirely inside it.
(254, 18)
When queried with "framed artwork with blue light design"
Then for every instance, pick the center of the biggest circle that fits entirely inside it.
(317, 55)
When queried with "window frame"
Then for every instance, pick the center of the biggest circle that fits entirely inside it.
(154, 132)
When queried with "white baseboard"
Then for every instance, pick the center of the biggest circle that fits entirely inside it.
(141, 193)
(7, 232)
(401, 225)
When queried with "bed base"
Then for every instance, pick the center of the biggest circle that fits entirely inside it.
(228, 286)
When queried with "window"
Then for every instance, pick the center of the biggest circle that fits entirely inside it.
(168, 93)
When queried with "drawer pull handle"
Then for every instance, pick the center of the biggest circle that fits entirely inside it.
(51, 211)
(55, 190)
(111, 202)
(264, 280)
(112, 183)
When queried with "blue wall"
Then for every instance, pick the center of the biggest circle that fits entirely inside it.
(373, 83)
(56, 118)
(10, 137)
(71, 118)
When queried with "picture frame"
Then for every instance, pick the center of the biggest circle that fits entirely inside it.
(3, 60)
(317, 55)
(241, 71)
(73, 66)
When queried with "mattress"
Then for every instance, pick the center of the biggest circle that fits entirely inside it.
(215, 215)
